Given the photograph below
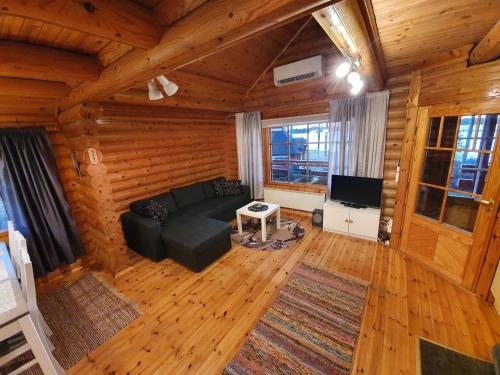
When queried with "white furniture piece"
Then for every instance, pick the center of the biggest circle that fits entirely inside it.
(17, 243)
(262, 215)
(357, 222)
(15, 318)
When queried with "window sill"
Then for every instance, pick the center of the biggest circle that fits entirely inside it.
(296, 187)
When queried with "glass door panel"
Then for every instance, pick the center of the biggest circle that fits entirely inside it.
(458, 155)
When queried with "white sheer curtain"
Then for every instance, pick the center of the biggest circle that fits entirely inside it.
(357, 135)
(249, 145)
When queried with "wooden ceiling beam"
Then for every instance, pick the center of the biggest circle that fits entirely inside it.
(119, 20)
(488, 48)
(366, 7)
(22, 60)
(114, 111)
(285, 47)
(214, 26)
(21, 87)
(360, 46)
(137, 96)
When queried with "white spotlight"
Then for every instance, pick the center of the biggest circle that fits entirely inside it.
(353, 77)
(343, 70)
(169, 87)
(356, 87)
(154, 93)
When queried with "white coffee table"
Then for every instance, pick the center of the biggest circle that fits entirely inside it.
(262, 215)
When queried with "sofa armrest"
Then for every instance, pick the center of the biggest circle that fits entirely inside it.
(245, 189)
(143, 235)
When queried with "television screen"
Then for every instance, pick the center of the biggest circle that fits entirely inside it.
(361, 191)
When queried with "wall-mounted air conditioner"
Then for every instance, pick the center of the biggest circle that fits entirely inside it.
(299, 71)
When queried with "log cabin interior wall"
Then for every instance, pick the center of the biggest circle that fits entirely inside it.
(142, 153)
(228, 75)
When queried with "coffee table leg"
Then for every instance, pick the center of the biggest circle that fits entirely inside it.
(264, 229)
(278, 219)
(240, 228)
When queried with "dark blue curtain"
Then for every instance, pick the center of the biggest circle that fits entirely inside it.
(34, 199)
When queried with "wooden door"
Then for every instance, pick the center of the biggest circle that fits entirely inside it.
(454, 189)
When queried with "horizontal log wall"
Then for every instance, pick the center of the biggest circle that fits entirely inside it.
(138, 158)
(396, 122)
(144, 158)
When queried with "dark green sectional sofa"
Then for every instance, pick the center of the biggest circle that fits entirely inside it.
(196, 232)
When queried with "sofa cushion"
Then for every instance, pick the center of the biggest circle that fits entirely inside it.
(193, 234)
(208, 208)
(165, 200)
(208, 187)
(188, 195)
(156, 211)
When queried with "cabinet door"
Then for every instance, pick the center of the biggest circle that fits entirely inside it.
(336, 219)
(364, 223)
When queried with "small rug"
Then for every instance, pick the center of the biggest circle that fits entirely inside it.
(311, 328)
(438, 360)
(288, 235)
(82, 316)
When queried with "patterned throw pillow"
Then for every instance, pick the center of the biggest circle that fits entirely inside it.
(154, 210)
(219, 185)
(232, 187)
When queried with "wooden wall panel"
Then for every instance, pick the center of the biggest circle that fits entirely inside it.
(396, 122)
(139, 157)
(144, 158)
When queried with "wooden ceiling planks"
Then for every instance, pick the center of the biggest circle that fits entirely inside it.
(49, 35)
(310, 42)
(410, 30)
(119, 20)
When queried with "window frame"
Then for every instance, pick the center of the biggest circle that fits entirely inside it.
(267, 147)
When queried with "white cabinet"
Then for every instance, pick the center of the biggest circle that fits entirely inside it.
(358, 222)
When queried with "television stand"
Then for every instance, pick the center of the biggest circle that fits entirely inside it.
(351, 221)
(353, 205)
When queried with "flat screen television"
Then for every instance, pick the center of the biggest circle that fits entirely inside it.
(356, 191)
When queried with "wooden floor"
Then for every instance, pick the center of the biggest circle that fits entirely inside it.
(194, 323)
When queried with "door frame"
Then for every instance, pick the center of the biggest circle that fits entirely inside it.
(482, 258)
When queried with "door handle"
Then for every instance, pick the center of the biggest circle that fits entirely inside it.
(487, 202)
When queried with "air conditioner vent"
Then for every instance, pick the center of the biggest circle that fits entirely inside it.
(299, 71)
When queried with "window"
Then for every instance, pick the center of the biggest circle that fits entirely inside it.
(3, 217)
(458, 155)
(299, 153)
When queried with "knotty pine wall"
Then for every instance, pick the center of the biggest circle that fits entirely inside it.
(144, 158)
(140, 155)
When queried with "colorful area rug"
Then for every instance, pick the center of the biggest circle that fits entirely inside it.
(311, 328)
(82, 316)
(288, 235)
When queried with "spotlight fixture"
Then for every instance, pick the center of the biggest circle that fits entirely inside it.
(343, 69)
(169, 86)
(154, 93)
(356, 87)
(353, 77)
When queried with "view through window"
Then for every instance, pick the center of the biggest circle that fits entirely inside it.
(299, 153)
(3, 217)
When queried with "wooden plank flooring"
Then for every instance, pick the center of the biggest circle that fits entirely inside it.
(194, 323)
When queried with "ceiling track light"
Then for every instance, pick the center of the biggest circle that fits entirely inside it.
(154, 93)
(169, 87)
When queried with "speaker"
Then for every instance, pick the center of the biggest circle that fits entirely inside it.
(317, 217)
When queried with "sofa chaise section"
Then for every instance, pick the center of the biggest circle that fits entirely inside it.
(196, 232)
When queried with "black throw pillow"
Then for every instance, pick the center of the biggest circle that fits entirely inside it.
(219, 185)
(154, 210)
(232, 187)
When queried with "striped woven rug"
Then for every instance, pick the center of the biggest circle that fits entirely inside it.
(311, 328)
